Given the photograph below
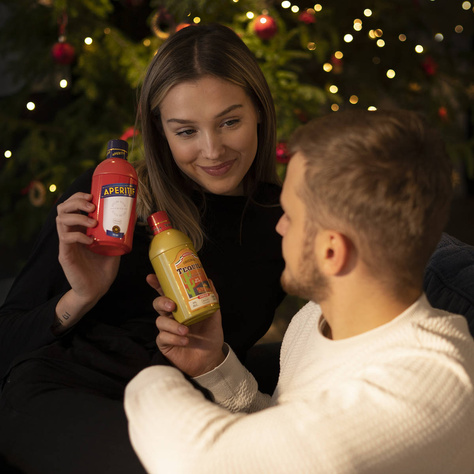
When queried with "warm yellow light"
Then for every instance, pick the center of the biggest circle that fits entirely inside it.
(196, 20)
(250, 15)
(295, 8)
(334, 107)
(402, 37)
(357, 26)
(368, 12)
(338, 55)
(146, 42)
(378, 33)
(372, 34)
(390, 73)
(7, 154)
(30, 106)
(63, 83)
(466, 5)
(459, 29)
(380, 43)
(348, 38)
(311, 46)
(438, 37)
(318, 7)
(52, 188)
(419, 48)
(333, 89)
(353, 99)
(371, 108)
(285, 4)
(88, 40)
(327, 67)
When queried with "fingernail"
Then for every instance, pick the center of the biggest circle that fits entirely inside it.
(169, 306)
(182, 330)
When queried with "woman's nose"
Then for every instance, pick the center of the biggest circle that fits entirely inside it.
(212, 146)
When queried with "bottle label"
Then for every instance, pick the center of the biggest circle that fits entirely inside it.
(193, 280)
(117, 201)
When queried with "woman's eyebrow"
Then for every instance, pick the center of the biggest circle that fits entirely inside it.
(220, 114)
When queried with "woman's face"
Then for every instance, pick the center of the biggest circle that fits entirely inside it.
(211, 128)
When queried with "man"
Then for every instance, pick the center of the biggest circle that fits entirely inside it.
(372, 378)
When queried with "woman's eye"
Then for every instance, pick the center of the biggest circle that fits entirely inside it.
(230, 123)
(185, 133)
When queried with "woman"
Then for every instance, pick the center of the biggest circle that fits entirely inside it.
(75, 330)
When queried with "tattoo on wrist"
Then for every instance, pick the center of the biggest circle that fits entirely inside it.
(66, 315)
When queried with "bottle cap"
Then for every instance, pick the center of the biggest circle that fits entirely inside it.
(117, 149)
(159, 222)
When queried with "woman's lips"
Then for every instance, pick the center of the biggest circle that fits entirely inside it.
(218, 170)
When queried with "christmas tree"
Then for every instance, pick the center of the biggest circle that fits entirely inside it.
(71, 69)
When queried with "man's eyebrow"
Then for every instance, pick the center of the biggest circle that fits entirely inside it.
(219, 115)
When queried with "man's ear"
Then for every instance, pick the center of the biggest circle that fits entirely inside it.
(333, 252)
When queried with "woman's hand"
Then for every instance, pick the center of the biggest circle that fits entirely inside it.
(194, 349)
(89, 274)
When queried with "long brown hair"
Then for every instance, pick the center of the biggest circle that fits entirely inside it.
(189, 54)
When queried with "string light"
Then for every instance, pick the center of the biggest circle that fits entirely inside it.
(63, 83)
(380, 43)
(348, 38)
(334, 107)
(285, 4)
(295, 8)
(368, 12)
(438, 37)
(466, 5)
(402, 37)
(7, 154)
(196, 20)
(357, 24)
(250, 15)
(88, 41)
(353, 99)
(371, 108)
(327, 67)
(30, 106)
(52, 188)
(318, 7)
(333, 89)
(390, 73)
(459, 29)
(419, 49)
(311, 46)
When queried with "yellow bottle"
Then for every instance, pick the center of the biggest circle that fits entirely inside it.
(180, 272)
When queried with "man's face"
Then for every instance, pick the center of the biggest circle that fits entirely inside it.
(301, 276)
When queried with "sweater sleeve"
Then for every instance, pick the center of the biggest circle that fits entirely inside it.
(29, 309)
(377, 421)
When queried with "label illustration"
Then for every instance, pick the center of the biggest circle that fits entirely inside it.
(193, 280)
(117, 202)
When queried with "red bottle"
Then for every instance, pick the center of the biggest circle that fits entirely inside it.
(114, 192)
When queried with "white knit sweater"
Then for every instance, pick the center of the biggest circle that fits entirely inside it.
(397, 399)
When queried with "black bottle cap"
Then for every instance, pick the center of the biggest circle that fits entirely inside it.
(117, 149)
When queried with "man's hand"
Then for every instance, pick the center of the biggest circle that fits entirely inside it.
(194, 349)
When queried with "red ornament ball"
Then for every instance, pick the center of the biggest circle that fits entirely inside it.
(282, 153)
(429, 66)
(63, 53)
(308, 16)
(265, 27)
